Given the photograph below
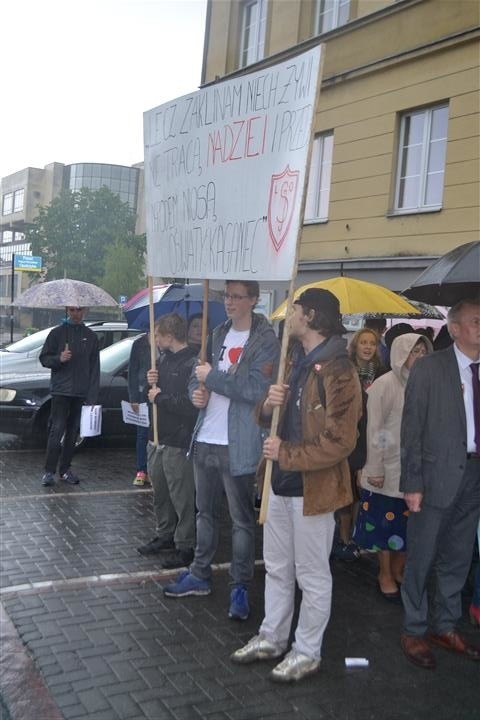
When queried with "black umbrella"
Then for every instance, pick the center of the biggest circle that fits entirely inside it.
(453, 277)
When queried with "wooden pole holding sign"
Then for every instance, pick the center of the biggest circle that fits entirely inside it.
(153, 354)
(203, 348)
(283, 351)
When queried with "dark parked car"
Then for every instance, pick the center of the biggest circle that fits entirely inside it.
(22, 356)
(25, 398)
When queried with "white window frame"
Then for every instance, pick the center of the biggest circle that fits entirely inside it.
(18, 200)
(7, 203)
(340, 15)
(255, 49)
(320, 179)
(421, 204)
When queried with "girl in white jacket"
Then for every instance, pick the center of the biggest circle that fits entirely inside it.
(381, 524)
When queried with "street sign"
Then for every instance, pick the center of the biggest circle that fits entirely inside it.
(27, 263)
(122, 299)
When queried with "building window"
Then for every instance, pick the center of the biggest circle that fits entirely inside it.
(7, 236)
(318, 190)
(7, 204)
(421, 159)
(330, 14)
(18, 197)
(254, 19)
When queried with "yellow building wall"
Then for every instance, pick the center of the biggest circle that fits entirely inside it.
(402, 25)
(363, 113)
(395, 56)
(284, 26)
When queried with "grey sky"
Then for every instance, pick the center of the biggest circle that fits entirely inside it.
(79, 75)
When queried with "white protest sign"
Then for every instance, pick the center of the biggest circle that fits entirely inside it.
(131, 417)
(224, 174)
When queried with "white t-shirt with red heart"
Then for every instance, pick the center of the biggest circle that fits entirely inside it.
(214, 429)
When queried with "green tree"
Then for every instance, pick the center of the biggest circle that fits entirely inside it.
(74, 232)
(123, 275)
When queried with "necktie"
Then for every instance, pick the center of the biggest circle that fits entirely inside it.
(474, 367)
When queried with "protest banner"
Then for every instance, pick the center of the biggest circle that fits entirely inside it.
(225, 171)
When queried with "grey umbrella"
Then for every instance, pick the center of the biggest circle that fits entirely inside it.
(453, 277)
(62, 293)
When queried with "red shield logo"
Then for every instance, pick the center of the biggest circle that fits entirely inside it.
(281, 205)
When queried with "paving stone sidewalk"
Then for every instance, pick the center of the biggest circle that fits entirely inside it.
(107, 644)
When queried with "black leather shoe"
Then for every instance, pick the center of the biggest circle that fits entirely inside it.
(180, 558)
(156, 546)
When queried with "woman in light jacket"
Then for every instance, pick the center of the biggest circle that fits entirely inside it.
(382, 521)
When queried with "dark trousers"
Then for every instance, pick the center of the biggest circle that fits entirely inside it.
(64, 422)
(440, 543)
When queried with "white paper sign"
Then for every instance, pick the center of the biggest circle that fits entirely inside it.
(91, 420)
(224, 174)
(133, 418)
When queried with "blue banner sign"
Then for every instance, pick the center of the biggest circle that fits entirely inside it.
(27, 263)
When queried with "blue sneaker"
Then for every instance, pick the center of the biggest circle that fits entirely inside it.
(239, 607)
(187, 584)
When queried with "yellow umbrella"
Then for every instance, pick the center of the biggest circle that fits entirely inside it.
(355, 296)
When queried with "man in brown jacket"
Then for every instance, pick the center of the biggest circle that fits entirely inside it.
(321, 404)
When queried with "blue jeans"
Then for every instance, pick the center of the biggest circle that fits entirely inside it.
(212, 479)
(141, 448)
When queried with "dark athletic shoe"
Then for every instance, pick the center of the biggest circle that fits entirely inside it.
(70, 478)
(48, 479)
(156, 546)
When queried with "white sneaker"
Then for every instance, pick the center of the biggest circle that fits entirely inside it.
(257, 648)
(294, 666)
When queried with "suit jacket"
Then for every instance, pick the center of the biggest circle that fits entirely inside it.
(434, 430)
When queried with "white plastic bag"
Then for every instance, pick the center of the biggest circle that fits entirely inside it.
(91, 420)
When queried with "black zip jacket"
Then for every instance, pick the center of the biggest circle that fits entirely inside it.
(139, 365)
(80, 376)
(175, 412)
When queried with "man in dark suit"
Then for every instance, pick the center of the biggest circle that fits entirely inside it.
(440, 452)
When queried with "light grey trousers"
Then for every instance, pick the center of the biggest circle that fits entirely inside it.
(297, 547)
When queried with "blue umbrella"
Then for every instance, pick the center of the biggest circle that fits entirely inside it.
(186, 300)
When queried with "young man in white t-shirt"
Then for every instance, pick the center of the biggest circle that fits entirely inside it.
(243, 360)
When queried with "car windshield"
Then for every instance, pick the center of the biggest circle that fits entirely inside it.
(31, 342)
(114, 357)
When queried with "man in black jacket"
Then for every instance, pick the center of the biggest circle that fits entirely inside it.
(71, 353)
(169, 469)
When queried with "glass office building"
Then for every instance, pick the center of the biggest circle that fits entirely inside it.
(119, 179)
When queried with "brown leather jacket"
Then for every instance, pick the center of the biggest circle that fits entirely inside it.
(329, 436)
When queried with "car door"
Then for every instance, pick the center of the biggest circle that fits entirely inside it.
(114, 389)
